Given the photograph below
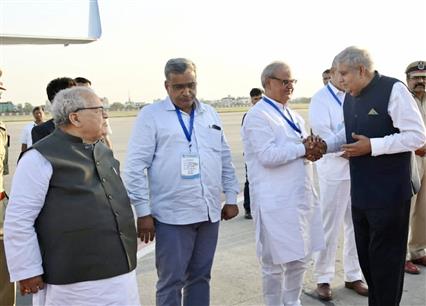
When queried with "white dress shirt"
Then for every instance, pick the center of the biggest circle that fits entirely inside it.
(29, 188)
(326, 120)
(153, 168)
(405, 116)
(26, 134)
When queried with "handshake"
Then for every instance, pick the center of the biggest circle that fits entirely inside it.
(315, 147)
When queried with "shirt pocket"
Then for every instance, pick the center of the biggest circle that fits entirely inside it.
(209, 138)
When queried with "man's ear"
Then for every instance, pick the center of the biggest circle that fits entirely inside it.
(74, 119)
(267, 84)
(362, 70)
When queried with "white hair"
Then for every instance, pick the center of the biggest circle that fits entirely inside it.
(355, 57)
(270, 70)
(68, 101)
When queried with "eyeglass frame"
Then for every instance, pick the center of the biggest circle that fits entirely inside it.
(417, 77)
(284, 82)
(190, 86)
(104, 110)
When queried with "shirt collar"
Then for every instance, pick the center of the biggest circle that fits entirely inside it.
(168, 104)
(335, 89)
(280, 105)
(423, 100)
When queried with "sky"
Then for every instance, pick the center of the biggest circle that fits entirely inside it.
(230, 42)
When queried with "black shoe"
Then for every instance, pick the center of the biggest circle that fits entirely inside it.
(248, 216)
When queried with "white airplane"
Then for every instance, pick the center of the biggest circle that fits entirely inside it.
(27, 22)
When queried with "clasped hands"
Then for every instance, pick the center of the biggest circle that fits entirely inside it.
(315, 147)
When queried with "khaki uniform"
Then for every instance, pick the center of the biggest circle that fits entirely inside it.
(7, 289)
(417, 237)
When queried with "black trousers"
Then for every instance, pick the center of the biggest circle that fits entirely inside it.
(246, 202)
(381, 241)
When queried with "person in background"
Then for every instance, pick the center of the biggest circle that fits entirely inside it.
(326, 119)
(80, 81)
(416, 254)
(40, 131)
(107, 139)
(326, 76)
(178, 164)
(26, 139)
(69, 230)
(255, 96)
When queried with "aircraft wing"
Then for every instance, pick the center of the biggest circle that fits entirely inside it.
(48, 22)
(11, 39)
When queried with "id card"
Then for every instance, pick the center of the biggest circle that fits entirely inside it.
(190, 166)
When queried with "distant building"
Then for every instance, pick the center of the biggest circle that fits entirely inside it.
(229, 101)
(7, 107)
(139, 105)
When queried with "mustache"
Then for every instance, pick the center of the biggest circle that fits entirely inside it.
(419, 84)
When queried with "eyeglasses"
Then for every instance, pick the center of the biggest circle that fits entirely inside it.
(285, 82)
(103, 109)
(418, 78)
(180, 87)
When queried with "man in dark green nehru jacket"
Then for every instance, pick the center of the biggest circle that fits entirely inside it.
(70, 234)
(383, 126)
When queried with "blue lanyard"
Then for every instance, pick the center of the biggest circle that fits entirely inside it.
(188, 134)
(334, 95)
(289, 121)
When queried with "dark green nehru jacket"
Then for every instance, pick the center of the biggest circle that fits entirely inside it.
(86, 229)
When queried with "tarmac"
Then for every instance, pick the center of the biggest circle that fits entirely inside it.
(236, 277)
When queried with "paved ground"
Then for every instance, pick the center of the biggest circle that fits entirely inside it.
(236, 274)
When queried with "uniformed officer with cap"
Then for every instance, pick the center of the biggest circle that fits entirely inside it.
(417, 68)
(416, 254)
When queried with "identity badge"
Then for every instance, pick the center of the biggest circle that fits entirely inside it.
(190, 166)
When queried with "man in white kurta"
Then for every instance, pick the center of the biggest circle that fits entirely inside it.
(26, 139)
(326, 120)
(93, 207)
(285, 206)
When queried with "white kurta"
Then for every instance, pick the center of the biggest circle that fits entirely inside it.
(29, 188)
(26, 134)
(285, 205)
(326, 119)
